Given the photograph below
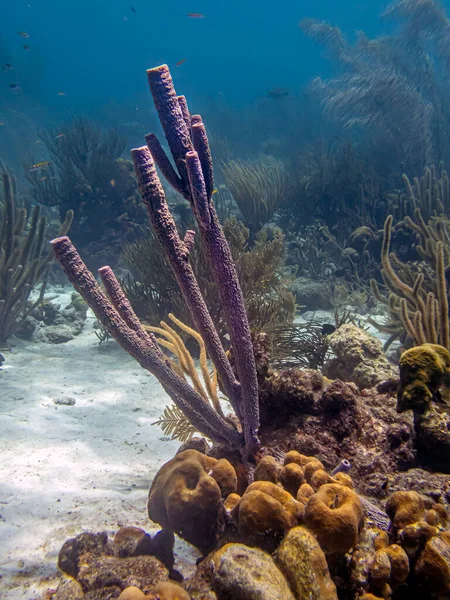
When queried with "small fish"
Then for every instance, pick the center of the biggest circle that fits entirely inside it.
(14, 86)
(23, 34)
(112, 183)
(39, 165)
(2, 123)
(7, 67)
(27, 48)
(196, 16)
(327, 329)
(62, 94)
(277, 93)
(133, 9)
(42, 178)
(37, 142)
(180, 62)
(60, 135)
(214, 191)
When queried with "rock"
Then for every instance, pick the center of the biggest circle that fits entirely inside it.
(304, 565)
(58, 326)
(433, 567)
(311, 294)
(69, 589)
(132, 541)
(244, 573)
(92, 560)
(433, 437)
(55, 334)
(64, 401)
(162, 547)
(194, 443)
(360, 358)
(28, 328)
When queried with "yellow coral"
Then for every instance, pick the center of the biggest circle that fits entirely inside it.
(335, 514)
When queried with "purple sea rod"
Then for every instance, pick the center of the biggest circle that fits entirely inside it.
(191, 174)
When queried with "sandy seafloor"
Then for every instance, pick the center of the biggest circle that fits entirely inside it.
(67, 469)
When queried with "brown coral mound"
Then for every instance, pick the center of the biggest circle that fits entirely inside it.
(335, 514)
(187, 500)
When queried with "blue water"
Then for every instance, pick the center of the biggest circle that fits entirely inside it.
(98, 50)
(88, 57)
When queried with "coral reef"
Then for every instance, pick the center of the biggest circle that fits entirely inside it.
(324, 540)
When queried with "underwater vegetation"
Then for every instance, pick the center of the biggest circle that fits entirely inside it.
(418, 301)
(258, 187)
(87, 175)
(376, 78)
(153, 291)
(24, 258)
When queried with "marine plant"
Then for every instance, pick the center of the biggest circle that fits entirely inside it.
(192, 177)
(376, 78)
(153, 291)
(418, 291)
(24, 260)
(86, 174)
(258, 187)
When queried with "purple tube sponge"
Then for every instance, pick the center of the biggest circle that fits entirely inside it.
(191, 174)
(116, 315)
(196, 172)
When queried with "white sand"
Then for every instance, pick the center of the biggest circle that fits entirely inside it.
(68, 469)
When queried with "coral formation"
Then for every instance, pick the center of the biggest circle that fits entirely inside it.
(424, 388)
(187, 500)
(335, 514)
(303, 563)
(418, 300)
